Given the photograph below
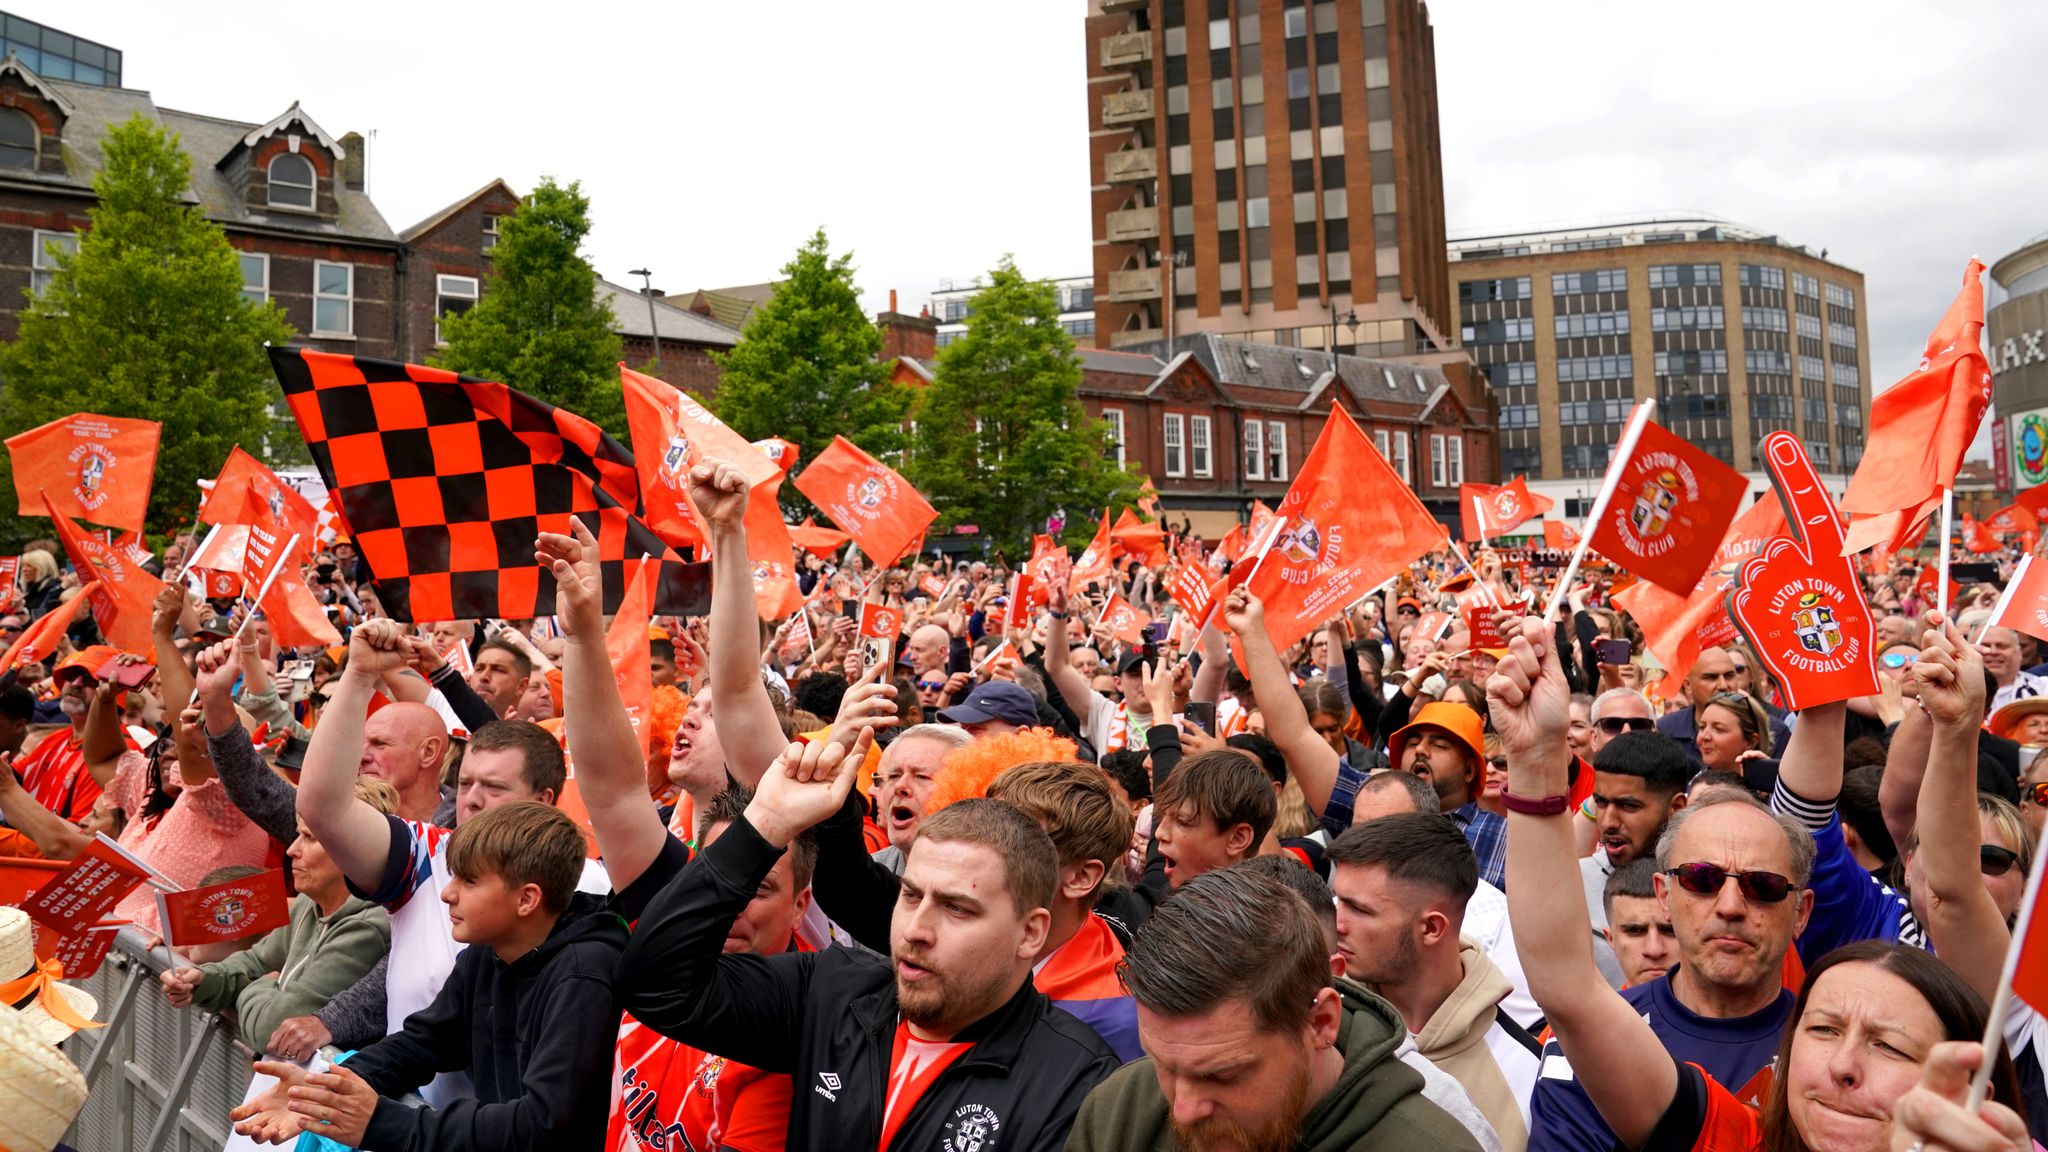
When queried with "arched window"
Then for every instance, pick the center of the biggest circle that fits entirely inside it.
(291, 181)
(17, 139)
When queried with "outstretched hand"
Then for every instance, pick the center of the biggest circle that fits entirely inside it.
(806, 784)
(869, 704)
(268, 1117)
(579, 582)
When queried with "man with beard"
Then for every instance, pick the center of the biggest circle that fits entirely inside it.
(1249, 1045)
(66, 772)
(1639, 780)
(945, 1044)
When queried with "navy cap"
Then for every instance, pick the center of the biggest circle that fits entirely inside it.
(995, 700)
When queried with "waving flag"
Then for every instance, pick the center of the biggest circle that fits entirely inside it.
(248, 492)
(1484, 510)
(1921, 426)
(126, 598)
(1676, 628)
(1131, 536)
(1124, 622)
(2024, 606)
(1672, 503)
(446, 480)
(626, 643)
(1096, 563)
(97, 468)
(42, 636)
(1559, 536)
(868, 500)
(296, 618)
(230, 910)
(2013, 518)
(1976, 537)
(824, 543)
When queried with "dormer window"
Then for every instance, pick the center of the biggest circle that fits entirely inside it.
(18, 139)
(291, 181)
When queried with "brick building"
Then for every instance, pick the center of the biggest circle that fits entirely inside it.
(687, 338)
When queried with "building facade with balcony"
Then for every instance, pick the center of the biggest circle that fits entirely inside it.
(1268, 170)
(1735, 333)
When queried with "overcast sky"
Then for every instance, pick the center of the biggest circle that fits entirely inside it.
(931, 137)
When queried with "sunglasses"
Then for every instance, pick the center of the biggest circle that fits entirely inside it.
(1897, 659)
(1708, 880)
(1993, 860)
(1616, 725)
(930, 685)
(2036, 794)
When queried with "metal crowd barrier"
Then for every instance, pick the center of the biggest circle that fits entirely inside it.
(162, 1078)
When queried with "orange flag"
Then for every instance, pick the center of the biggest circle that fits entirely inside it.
(2013, 518)
(1045, 561)
(672, 434)
(248, 492)
(779, 452)
(1125, 622)
(626, 643)
(1484, 510)
(1096, 563)
(296, 618)
(1133, 537)
(1671, 504)
(127, 595)
(40, 638)
(2030, 936)
(96, 468)
(2025, 603)
(1148, 499)
(824, 543)
(230, 910)
(1559, 536)
(1921, 426)
(868, 500)
(1336, 545)
(1976, 537)
(1676, 628)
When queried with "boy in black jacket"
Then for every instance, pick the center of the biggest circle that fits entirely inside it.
(527, 1012)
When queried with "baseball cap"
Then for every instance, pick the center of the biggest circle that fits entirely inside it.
(995, 700)
(1130, 662)
(1409, 602)
(85, 662)
(1461, 722)
(216, 627)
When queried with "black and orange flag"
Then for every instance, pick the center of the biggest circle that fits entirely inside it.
(446, 480)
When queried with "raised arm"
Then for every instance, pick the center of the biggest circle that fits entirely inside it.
(610, 772)
(747, 727)
(266, 798)
(172, 606)
(100, 743)
(1619, 1062)
(1905, 763)
(1313, 764)
(1962, 919)
(356, 836)
(1072, 686)
(1812, 767)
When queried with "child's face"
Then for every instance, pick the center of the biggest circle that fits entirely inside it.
(483, 910)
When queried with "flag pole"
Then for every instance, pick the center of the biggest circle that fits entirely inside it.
(1622, 451)
(1948, 505)
(1478, 519)
(1994, 1025)
(2005, 598)
(1477, 580)
(194, 554)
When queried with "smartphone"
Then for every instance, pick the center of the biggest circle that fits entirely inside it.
(1612, 651)
(127, 675)
(1202, 714)
(1155, 632)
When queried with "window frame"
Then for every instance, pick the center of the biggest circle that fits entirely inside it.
(349, 300)
(312, 185)
(34, 145)
(1255, 449)
(1454, 468)
(476, 292)
(1276, 450)
(491, 233)
(1114, 418)
(40, 274)
(1201, 447)
(262, 258)
(1173, 438)
(1436, 460)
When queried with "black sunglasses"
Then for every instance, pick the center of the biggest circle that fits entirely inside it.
(1708, 879)
(1616, 725)
(1993, 860)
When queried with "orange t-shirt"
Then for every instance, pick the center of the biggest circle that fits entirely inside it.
(55, 774)
(669, 1096)
(913, 1067)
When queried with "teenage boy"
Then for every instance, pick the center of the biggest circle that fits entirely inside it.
(528, 1012)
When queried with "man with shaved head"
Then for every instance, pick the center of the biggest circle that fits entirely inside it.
(400, 860)
(928, 648)
(2001, 649)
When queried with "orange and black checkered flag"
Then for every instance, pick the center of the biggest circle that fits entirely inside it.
(446, 480)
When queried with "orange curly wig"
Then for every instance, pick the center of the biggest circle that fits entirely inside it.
(665, 714)
(967, 772)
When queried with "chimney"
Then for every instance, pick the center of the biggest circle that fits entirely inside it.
(915, 337)
(351, 166)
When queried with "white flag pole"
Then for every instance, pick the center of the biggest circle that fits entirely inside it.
(284, 557)
(1479, 518)
(1622, 451)
(1477, 580)
(1948, 506)
(2005, 598)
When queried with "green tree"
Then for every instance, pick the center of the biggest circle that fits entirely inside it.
(1002, 440)
(806, 366)
(147, 320)
(540, 326)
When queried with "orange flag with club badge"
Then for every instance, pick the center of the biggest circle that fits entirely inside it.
(2013, 518)
(671, 435)
(1559, 536)
(1124, 622)
(1677, 628)
(1976, 537)
(1337, 545)
(1484, 510)
(1096, 562)
(231, 910)
(97, 468)
(867, 500)
(1672, 504)
(1799, 601)
(41, 638)
(248, 492)
(1921, 426)
(126, 598)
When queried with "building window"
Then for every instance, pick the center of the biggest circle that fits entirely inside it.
(1455, 467)
(1436, 461)
(1114, 417)
(1841, 297)
(491, 233)
(1591, 324)
(454, 294)
(1704, 317)
(47, 246)
(1393, 447)
(1762, 276)
(1804, 285)
(291, 181)
(1176, 456)
(1276, 450)
(1684, 275)
(19, 139)
(255, 276)
(1255, 450)
(1198, 445)
(1605, 280)
(334, 290)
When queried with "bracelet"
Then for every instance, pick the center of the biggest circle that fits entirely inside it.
(1535, 805)
(1055, 615)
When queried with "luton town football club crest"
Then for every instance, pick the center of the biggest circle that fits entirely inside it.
(228, 913)
(1655, 505)
(678, 454)
(1506, 506)
(1302, 542)
(1814, 624)
(93, 463)
(869, 494)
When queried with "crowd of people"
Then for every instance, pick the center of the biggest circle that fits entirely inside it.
(1019, 879)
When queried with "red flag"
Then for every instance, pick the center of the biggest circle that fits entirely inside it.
(81, 955)
(1131, 536)
(1799, 601)
(1479, 623)
(1559, 535)
(1125, 622)
(1676, 628)
(1430, 626)
(2013, 518)
(42, 636)
(96, 468)
(1976, 537)
(1484, 510)
(248, 492)
(779, 452)
(2025, 604)
(1191, 589)
(824, 543)
(1017, 616)
(1337, 545)
(1148, 499)
(880, 622)
(1921, 426)
(1096, 564)
(1232, 542)
(1671, 504)
(126, 598)
(2033, 499)
(272, 576)
(100, 877)
(230, 910)
(10, 566)
(868, 500)
(1046, 557)
(23, 876)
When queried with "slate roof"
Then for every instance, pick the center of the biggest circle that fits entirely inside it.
(434, 221)
(629, 314)
(1266, 375)
(732, 306)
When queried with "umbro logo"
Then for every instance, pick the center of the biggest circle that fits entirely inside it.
(827, 1086)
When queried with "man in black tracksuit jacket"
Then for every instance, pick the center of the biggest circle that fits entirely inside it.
(829, 1018)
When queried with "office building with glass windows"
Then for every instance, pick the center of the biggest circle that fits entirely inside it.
(1735, 333)
(1268, 170)
(58, 55)
(953, 303)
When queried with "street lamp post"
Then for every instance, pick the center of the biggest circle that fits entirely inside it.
(1350, 320)
(653, 328)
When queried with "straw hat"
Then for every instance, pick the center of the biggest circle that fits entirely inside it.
(40, 1091)
(2004, 721)
(18, 962)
